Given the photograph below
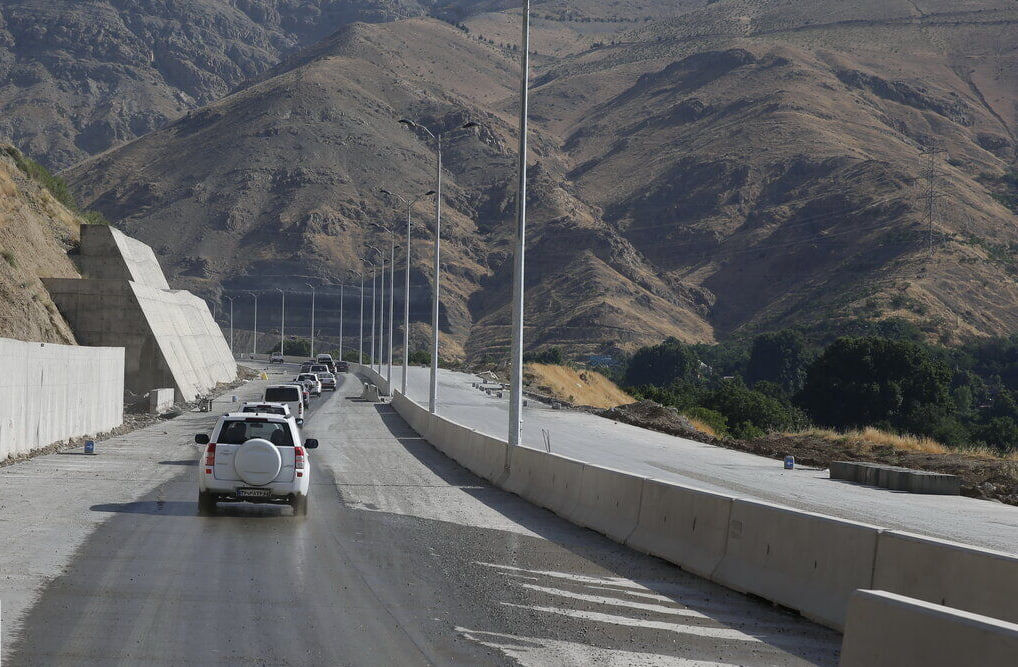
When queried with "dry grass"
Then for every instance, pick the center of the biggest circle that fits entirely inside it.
(872, 437)
(702, 426)
(582, 387)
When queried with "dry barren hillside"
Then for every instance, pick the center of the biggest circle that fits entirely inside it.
(36, 232)
(738, 167)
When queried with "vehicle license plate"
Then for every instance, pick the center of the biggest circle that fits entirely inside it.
(253, 493)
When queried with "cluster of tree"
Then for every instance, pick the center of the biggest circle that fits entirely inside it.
(960, 396)
(553, 355)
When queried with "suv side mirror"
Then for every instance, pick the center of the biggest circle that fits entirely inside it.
(311, 443)
(202, 438)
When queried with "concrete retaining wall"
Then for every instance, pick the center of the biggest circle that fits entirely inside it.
(809, 562)
(50, 393)
(888, 630)
(976, 580)
(169, 336)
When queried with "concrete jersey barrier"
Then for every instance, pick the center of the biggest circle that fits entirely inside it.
(685, 526)
(809, 562)
(976, 580)
(889, 630)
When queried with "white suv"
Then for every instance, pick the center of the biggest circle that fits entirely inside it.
(254, 457)
(312, 381)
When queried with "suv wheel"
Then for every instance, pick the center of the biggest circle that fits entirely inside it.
(299, 503)
(206, 502)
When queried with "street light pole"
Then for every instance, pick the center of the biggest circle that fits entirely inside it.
(254, 343)
(312, 319)
(341, 322)
(406, 288)
(282, 324)
(516, 361)
(392, 300)
(433, 388)
(360, 345)
(230, 299)
(381, 315)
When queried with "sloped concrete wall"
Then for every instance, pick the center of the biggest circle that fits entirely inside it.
(109, 254)
(50, 393)
(169, 336)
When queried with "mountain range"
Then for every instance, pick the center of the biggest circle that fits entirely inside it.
(700, 170)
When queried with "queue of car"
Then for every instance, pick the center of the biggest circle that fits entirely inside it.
(258, 454)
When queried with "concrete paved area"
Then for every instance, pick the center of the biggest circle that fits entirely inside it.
(405, 558)
(595, 439)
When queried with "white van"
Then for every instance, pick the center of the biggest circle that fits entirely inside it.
(289, 394)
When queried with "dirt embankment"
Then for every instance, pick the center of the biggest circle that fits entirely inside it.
(982, 476)
(575, 386)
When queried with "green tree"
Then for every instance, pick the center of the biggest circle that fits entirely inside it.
(662, 364)
(745, 408)
(858, 382)
(778, 357)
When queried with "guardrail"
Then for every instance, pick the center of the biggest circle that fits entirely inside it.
(808, 562)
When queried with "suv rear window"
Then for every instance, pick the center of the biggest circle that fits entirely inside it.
(282, 394)
(269, 409)
(319, 368)
(239, 431)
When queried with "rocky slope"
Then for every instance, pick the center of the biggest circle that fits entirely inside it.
(36, 233)
(743, 166)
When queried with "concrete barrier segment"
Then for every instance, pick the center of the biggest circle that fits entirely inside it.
(888, 630)
(808, 562)
(609, 501)
(961, 576)
(685, 526)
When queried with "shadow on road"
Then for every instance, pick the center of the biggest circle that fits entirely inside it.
(180, 462)
(186, 508)
(585, 543)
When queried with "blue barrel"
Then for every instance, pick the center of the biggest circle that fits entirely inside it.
(789, 462)
(89, 447)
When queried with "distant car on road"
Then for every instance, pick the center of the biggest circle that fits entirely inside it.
(291, 395)
(342, 367)
(257, 458)
(328, 381)
(305, 366)
(276, 358)
(318, 368)
(313, 383)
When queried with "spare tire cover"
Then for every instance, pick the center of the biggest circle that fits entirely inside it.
(257, 462)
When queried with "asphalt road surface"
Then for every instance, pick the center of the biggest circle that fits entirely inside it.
(601, 441)
(405, 558)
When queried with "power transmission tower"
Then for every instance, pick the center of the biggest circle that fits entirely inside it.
(930, 175)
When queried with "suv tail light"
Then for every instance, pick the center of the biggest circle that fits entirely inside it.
(298, 458)
(210, 458)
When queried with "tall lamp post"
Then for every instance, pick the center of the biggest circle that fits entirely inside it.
(433, 389)
(282, 323)
(392, 294)
(230, 299)
(254, 342)
(406, 288)
(516, 361)
(374, 275)
(341, 321)
(312, 319)
(360, 344)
